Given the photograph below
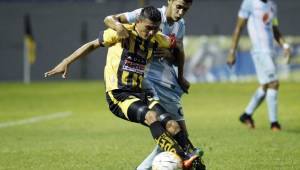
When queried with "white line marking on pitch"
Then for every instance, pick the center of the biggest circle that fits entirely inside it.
(35, 119)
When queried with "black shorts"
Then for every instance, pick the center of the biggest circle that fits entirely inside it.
(128, 105)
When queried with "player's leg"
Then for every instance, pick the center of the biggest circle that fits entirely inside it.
(272, 103)
(181, 137)
(169, 108)
(130, 107)
(166, 141)
(270, 78)
(254, 103)
(267, 75)
(256, 100)
(258, 96)
(169, 99)
(165, 95)
(154, 91)
(147, 163)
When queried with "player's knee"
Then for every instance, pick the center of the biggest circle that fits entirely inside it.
(151, 116)
(274, 85)
(172, 127)
(158, 108)
(137, 112)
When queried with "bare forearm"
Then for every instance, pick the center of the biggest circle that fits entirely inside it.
(237, 33)
(278, 36)
(82, 51)
(115, 21)
(111, 22)
(181, 60)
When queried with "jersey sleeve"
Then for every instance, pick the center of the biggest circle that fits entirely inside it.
(133, 15)
(181, 31)
(275, 21)
(245, 9)
(165, 41)
(108, 37)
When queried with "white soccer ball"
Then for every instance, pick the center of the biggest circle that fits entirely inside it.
(167, 161)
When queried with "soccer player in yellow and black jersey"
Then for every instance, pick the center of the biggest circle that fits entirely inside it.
(124, 72)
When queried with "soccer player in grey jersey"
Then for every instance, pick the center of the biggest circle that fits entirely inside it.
(262, 22)
(164, 77)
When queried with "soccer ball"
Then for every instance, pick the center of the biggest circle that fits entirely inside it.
(167, 161)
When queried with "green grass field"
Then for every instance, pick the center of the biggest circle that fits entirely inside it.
(91, 138)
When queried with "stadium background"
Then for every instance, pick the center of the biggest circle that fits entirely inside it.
(63, 125)
(60, 27)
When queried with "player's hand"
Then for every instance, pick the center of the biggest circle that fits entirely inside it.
(61, 68)
(231, 58)
(185, 85)
(122, 32)
(165, 53)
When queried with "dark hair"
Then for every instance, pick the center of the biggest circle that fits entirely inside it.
(151, 13)
(186, 1)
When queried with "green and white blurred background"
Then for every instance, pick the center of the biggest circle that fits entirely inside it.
(54, 124)
(61, 26)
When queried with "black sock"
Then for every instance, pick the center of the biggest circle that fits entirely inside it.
(164, 140)
(183, 141)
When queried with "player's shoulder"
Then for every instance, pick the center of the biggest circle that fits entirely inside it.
(162, 10)
(273, 3)
(109, 32)
(129, 26)
(181, 22)
(163, 40)
(160, 38)
(134, 13)
(249, 3)
(159, 34)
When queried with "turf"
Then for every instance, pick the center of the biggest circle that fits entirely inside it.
(91, 138)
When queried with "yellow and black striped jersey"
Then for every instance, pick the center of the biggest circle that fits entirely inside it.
(127, 58)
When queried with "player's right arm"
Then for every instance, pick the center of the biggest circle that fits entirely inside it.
(62, 67)
(106, 38)
(243, 15)
(279, 37)
(115, 22)
(241, 22)
(281, 41)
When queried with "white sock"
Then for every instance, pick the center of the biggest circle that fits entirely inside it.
(255, 101)
(271, 98)
(147, 163)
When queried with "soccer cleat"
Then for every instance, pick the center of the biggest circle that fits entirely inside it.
(275, 127)
(193, 160)
(247, 119)
(197, 151)
(198, 164)
(187, 163)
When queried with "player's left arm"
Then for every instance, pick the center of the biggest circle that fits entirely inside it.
(281, 41)
(277, 34)
(180, 59)
(176, 46)
(62, 67)
(116, 22)
(106, 38)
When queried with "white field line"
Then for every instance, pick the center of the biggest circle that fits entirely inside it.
(35, 119)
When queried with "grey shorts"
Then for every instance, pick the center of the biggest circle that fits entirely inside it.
(169, 98)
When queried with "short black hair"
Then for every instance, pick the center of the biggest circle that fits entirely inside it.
(151, 13)
(186, 1)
